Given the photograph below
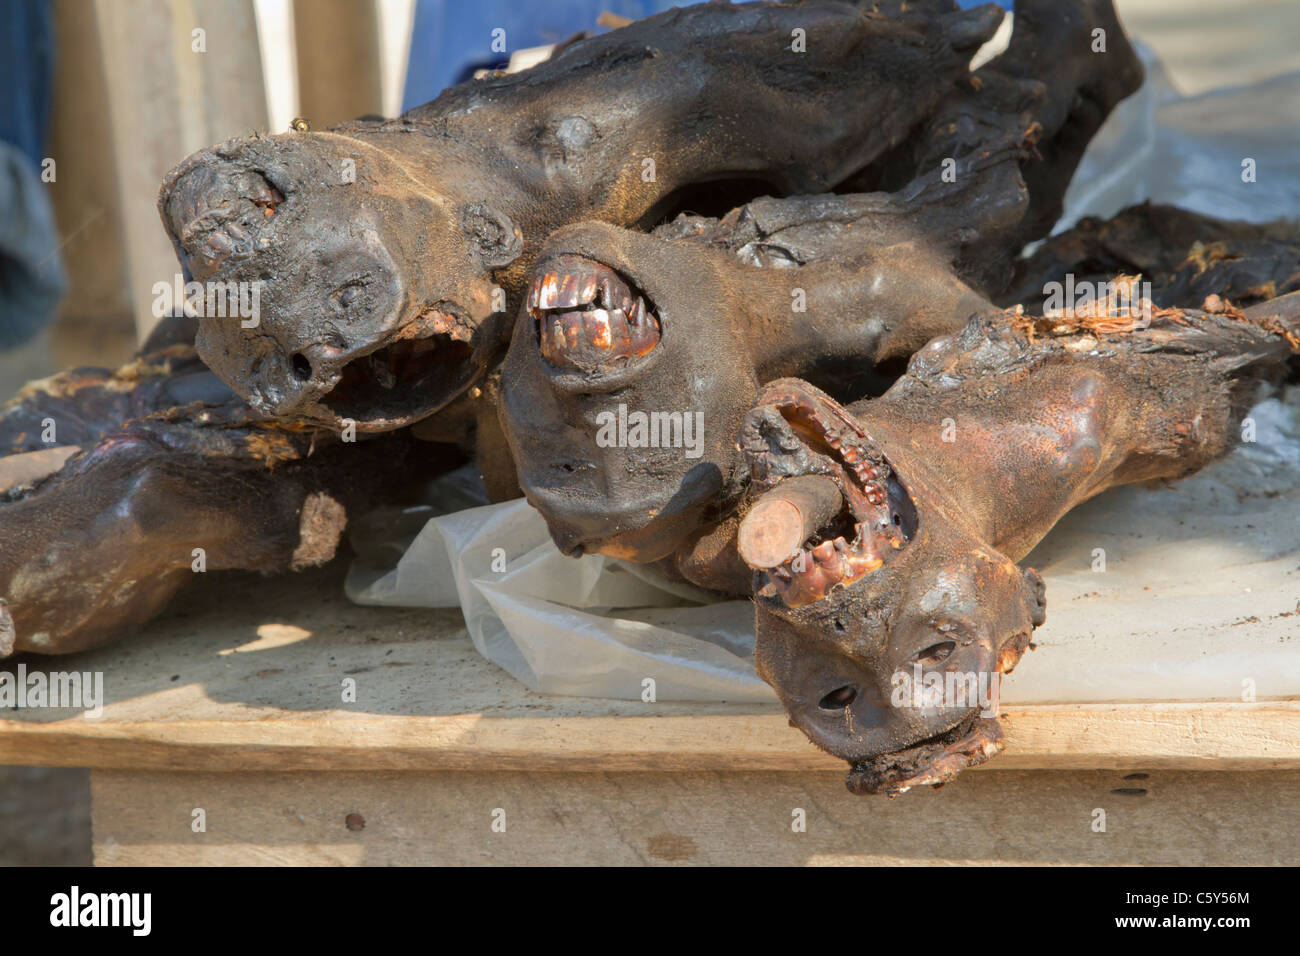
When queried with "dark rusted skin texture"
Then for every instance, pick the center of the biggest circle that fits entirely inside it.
(949, 479)
(689, 319)
(1186, 256)
(381, 246)
(99, 518)
(721, 322)
(378, 249)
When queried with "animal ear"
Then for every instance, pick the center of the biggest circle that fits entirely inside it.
(1035, 596)
(494, 236)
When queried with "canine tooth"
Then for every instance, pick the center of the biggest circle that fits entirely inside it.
(533, 291)
(619, 330)
(557, 337)
(382, 373)
(644, 339)
(824, 552)
(587, 294)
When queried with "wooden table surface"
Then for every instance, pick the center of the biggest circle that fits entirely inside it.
(246, 673)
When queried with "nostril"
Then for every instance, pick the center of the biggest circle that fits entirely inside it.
(839, 698)
(935, 653)
(301, 367)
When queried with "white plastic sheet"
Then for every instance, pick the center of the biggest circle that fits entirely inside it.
(593, 626)
(1189, 151)
(1200, 590)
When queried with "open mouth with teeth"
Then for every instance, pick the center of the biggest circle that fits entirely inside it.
(426, 365)
(831, 509)
(588, 317)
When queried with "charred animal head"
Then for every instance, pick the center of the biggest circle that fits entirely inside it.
(885, 631)
(628, 378)
(369, 303)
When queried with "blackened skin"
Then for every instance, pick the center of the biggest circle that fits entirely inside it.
(1184, 255)
(728, 322)
(1047, 413)
(875, 274)
(382, 248)
(100, 516)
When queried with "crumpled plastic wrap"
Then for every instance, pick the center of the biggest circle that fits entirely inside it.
(1188, 151)
(592, 626)
(1200, 590)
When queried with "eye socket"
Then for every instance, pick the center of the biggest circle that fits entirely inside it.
(334, 340)
(839, 698)
(301, 367)
(935, 653)
(346, 295)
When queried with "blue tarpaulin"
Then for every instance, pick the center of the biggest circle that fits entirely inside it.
(31, 269)
(451, 38)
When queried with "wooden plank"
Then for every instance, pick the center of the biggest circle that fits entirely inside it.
(87, 204)
(1118, 736)
(1034, 818)
(254, 683)
(338, 52)
(168, 98)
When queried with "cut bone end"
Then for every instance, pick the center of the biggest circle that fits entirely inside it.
(770, 534)
(783, 519)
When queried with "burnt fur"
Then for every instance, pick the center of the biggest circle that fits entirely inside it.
(381, 246)
(153, 460)
(877, 275)
(1044, 415)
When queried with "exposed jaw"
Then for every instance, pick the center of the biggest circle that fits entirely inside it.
(251, 211)
(588, 317)
(930, 762)
(796, 430)
(420, 369)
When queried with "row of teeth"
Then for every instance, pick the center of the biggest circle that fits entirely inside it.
(844, 443)
(589, 319)
(571, 291)
(812, 573)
